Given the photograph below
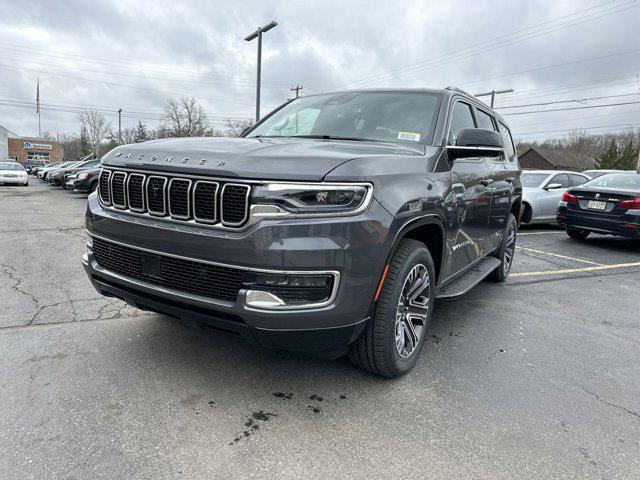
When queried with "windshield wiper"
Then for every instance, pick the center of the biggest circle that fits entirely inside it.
(334, 137)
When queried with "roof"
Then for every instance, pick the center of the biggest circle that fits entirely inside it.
(564, 159)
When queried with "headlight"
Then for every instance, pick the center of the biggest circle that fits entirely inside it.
(82, 176)
(314, 198)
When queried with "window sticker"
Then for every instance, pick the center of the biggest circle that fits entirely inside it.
(414, 137)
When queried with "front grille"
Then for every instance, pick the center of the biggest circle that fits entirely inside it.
(234, 203)
(118, 197)
(189, 276)
(165, 195)
(135, 192)
(105, 196)
(179, 198)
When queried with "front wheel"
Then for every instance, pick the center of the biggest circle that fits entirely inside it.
(506, 251)
(395, 335)
(577, 234)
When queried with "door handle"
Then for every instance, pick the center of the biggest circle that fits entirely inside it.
(486, 181)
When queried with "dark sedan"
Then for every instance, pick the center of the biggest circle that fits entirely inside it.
(58, 177)
(86, 181)
(609, 204)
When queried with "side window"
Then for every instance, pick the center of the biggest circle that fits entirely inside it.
(461, 118)
(508, 141)
(577, 180)
(484, 120)
(562, 179)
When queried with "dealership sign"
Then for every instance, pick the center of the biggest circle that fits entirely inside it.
(41, 146)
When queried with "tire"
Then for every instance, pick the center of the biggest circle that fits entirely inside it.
(506, 251)
(93, 187)
(526, 213)
(391, 345)
(577, 234)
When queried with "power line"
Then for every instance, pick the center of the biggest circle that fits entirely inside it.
(575, 100)
(571, 108)
(566, 120)
(458, 55)
(579, 128)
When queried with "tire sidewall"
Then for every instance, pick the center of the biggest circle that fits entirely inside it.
(388, 315)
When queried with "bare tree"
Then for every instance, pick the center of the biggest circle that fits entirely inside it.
(97, 128)
(234, 128)
(185, 118)
(127, 135)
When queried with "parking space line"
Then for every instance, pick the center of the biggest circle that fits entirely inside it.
(558, 255)
(574, 270)
(520, 234)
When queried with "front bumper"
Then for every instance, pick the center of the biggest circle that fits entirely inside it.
(14, 181)
(81, 185)
(627, 225)
(353, 246)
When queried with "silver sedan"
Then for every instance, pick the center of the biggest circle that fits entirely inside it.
(542, 191)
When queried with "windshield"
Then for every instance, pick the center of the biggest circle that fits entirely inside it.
(629, 181)
(532, 180)
(377, 116)
(11, 166)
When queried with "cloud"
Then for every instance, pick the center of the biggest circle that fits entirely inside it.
(135, 55)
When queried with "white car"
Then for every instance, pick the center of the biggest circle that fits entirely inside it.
(13, 173)
(542, 191)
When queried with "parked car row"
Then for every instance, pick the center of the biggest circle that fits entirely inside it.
(598, 201)
(80, 176)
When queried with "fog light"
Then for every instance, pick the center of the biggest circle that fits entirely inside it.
(289, 291)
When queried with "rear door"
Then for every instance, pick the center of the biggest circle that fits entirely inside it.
(471, 197)
(550, 197)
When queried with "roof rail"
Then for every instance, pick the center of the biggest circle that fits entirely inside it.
(456, 89)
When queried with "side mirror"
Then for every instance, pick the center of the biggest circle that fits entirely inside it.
(553, 186)
(477, 142)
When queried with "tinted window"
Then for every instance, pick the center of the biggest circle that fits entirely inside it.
(485, 121)
(382, 116)
(508, 141)
(533, 180)
(562, 179)
(577, 180)
(461, 118)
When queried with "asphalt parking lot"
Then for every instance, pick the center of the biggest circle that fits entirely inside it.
(534, 378)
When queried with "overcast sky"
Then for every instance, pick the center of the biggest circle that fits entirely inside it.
(135, 55)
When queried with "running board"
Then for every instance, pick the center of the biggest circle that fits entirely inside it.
(468, 279)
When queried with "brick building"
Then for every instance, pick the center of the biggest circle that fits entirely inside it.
(23, 149)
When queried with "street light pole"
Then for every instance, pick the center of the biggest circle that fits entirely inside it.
(493, 94)
(258, 34)
(120, 127)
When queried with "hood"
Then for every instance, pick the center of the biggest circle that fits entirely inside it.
(251, 158)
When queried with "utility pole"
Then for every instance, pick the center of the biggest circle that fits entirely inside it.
(120, 127)
(493, 94)
(258, 34)
(297, 89)
(38, 107)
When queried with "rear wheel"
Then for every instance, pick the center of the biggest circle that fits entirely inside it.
(506, 251)
(577, 234)
(394, 337)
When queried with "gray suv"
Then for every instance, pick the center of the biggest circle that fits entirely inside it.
(329, 228)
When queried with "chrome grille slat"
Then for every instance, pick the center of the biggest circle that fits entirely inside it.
(135, 192)
(179, 198)
(194, 200)
(118, 193)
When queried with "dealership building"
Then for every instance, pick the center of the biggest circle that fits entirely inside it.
(23, 149)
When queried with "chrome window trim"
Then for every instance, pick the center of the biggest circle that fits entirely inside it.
(164, 196)
(246, 204)
(193, 194)
(124, 189)
(144, 190)
(179, 174)
(180, 217)
(332, 296)
(102, 201)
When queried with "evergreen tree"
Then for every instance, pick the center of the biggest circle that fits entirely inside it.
(629, 156)
(609, 159)
(85, 148)
(141, 134)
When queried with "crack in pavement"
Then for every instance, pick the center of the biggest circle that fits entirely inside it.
(11, 273)
(606, 402)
